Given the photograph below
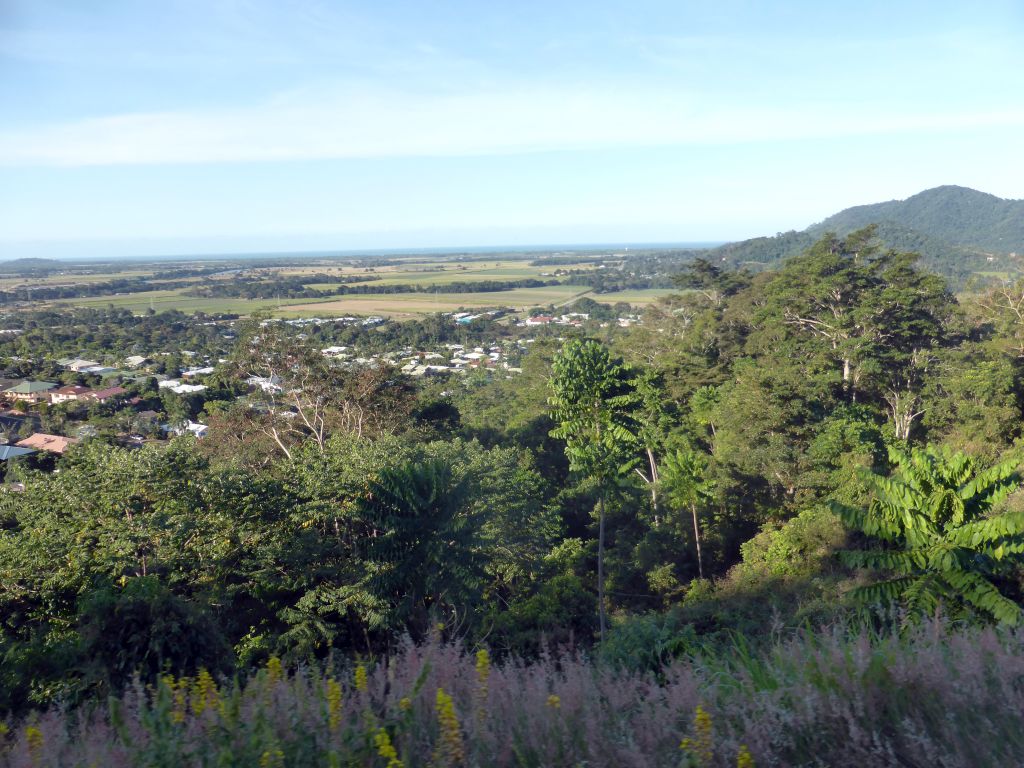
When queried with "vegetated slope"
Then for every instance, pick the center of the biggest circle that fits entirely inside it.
(956, 215)
(29, 266)
(956, 230)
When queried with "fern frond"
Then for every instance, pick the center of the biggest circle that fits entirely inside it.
(883, 592)
(983, 595)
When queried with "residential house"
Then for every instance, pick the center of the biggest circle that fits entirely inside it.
(13, 451)
(180, 389)
(68, 393)
(105, 395)
(189, 427)
(79, 365)
(205, 370)
(41, 441)
(31, 391)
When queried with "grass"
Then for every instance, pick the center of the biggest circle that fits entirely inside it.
(398, 306)
(640, 297)
(52, 281)
(395, 305)
(440, 273)
(932, 697)
(401, 305)
(163, 301)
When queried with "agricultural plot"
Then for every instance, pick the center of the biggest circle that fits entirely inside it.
(638, 298)
(440, 273)
(163, 301)
(399, 305)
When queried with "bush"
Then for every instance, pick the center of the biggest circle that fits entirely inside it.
(929, 697)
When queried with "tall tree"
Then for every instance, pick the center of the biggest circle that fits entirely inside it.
(593, 400)
(684, 477)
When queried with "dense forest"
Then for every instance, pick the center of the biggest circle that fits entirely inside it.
(775, 523)
(957, 231)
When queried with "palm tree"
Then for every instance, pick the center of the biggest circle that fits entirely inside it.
(938, 536)
(687, 487)
(422, 557)
(593, 405)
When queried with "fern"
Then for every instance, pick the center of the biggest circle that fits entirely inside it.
(940, 535)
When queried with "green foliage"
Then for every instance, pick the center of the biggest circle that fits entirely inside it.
(140, 627)
(800, 547)
(942, 539)
(593, 402)
(423, 560)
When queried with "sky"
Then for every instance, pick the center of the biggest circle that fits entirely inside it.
(219, 126)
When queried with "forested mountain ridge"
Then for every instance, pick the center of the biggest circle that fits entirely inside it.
(957, 231)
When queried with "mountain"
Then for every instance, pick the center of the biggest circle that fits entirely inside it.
(958, 232)
(30, 266)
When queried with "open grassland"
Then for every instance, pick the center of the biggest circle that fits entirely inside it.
(932, 697)
(399, 305)
(394, 305)
(439, 273)
(637, 298)
(59, 280)
(163, 301)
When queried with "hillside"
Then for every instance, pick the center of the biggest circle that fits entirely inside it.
(29, 266)
(958, 231)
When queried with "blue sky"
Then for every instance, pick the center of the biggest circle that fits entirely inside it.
(179, 126)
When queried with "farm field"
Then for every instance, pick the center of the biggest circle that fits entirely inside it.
(395, 305)
(441, 272)
(399, 305)
(51, 281)
(637, 298)
(163, 301)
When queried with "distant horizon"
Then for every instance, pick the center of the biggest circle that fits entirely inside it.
(470, 250)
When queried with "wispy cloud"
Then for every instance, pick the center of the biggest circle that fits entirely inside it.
(365, 122)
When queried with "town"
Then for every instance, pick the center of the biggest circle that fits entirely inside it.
(134, 399)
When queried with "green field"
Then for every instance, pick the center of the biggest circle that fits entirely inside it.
(638, 298)
(400, 305)
(162, 301)
(397, 305)
(440, 273)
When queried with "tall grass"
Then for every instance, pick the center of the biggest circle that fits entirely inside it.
(933, 697)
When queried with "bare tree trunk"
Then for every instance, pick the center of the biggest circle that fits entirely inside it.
(696, 539)
(654, 482)
(602, 621)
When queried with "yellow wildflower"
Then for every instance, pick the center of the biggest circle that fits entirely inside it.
(483, 674)
(274, 669)
(204, 692)
(554, 701)
(179, 691)
(483, 667)
(386, 749)
(405, 704)
(272, 759)
(701, 746)
(34, 739)
(450, 749)
(360, 678)
(744, 759)
(333, 703)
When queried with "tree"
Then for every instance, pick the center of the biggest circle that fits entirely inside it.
(870, 315)
(687, 486)
(593, 401)
(939, 536)
(302, 396)
(423, 556)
